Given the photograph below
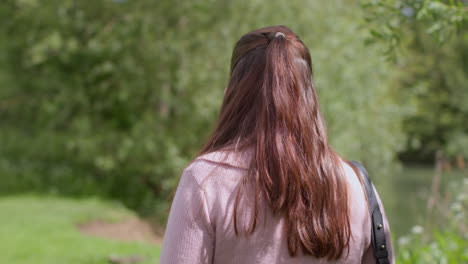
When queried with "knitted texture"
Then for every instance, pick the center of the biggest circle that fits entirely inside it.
(200, 225)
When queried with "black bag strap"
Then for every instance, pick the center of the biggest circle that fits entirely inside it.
(378, 229)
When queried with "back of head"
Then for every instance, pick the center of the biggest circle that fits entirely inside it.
(271, 105)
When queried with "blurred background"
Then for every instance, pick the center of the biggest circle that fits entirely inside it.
(103, 103)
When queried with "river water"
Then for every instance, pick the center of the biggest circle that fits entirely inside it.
(405, 195)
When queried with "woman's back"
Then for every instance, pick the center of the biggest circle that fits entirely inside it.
(267, 187)
(200, 227)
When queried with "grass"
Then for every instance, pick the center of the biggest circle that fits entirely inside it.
(42, 230)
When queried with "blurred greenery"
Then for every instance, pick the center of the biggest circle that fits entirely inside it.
(428, 42)
(413, 185)
(448, 242)
(391, 21)
(116, 97)
(42, 230)
(113, 98)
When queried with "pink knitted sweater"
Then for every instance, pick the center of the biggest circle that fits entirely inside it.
(200, 227)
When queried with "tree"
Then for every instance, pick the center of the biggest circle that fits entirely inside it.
(428, 42)
(116, 97)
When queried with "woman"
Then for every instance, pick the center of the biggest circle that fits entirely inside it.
(267, 187)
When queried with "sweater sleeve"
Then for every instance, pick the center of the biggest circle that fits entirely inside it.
(189, 235)
(368, 257)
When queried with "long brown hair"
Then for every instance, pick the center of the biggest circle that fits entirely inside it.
(271, 104)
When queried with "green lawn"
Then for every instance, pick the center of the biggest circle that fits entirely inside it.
(42, 230)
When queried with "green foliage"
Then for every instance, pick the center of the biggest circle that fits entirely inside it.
(434, 80)
(42, 230)
(428, 43)
(445, 247)
(389, 19)
(115, 97)
(448, 242)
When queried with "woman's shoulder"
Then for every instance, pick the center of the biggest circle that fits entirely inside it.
(219, 167)
(352, 178)
(235, 158)
(347, 167)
